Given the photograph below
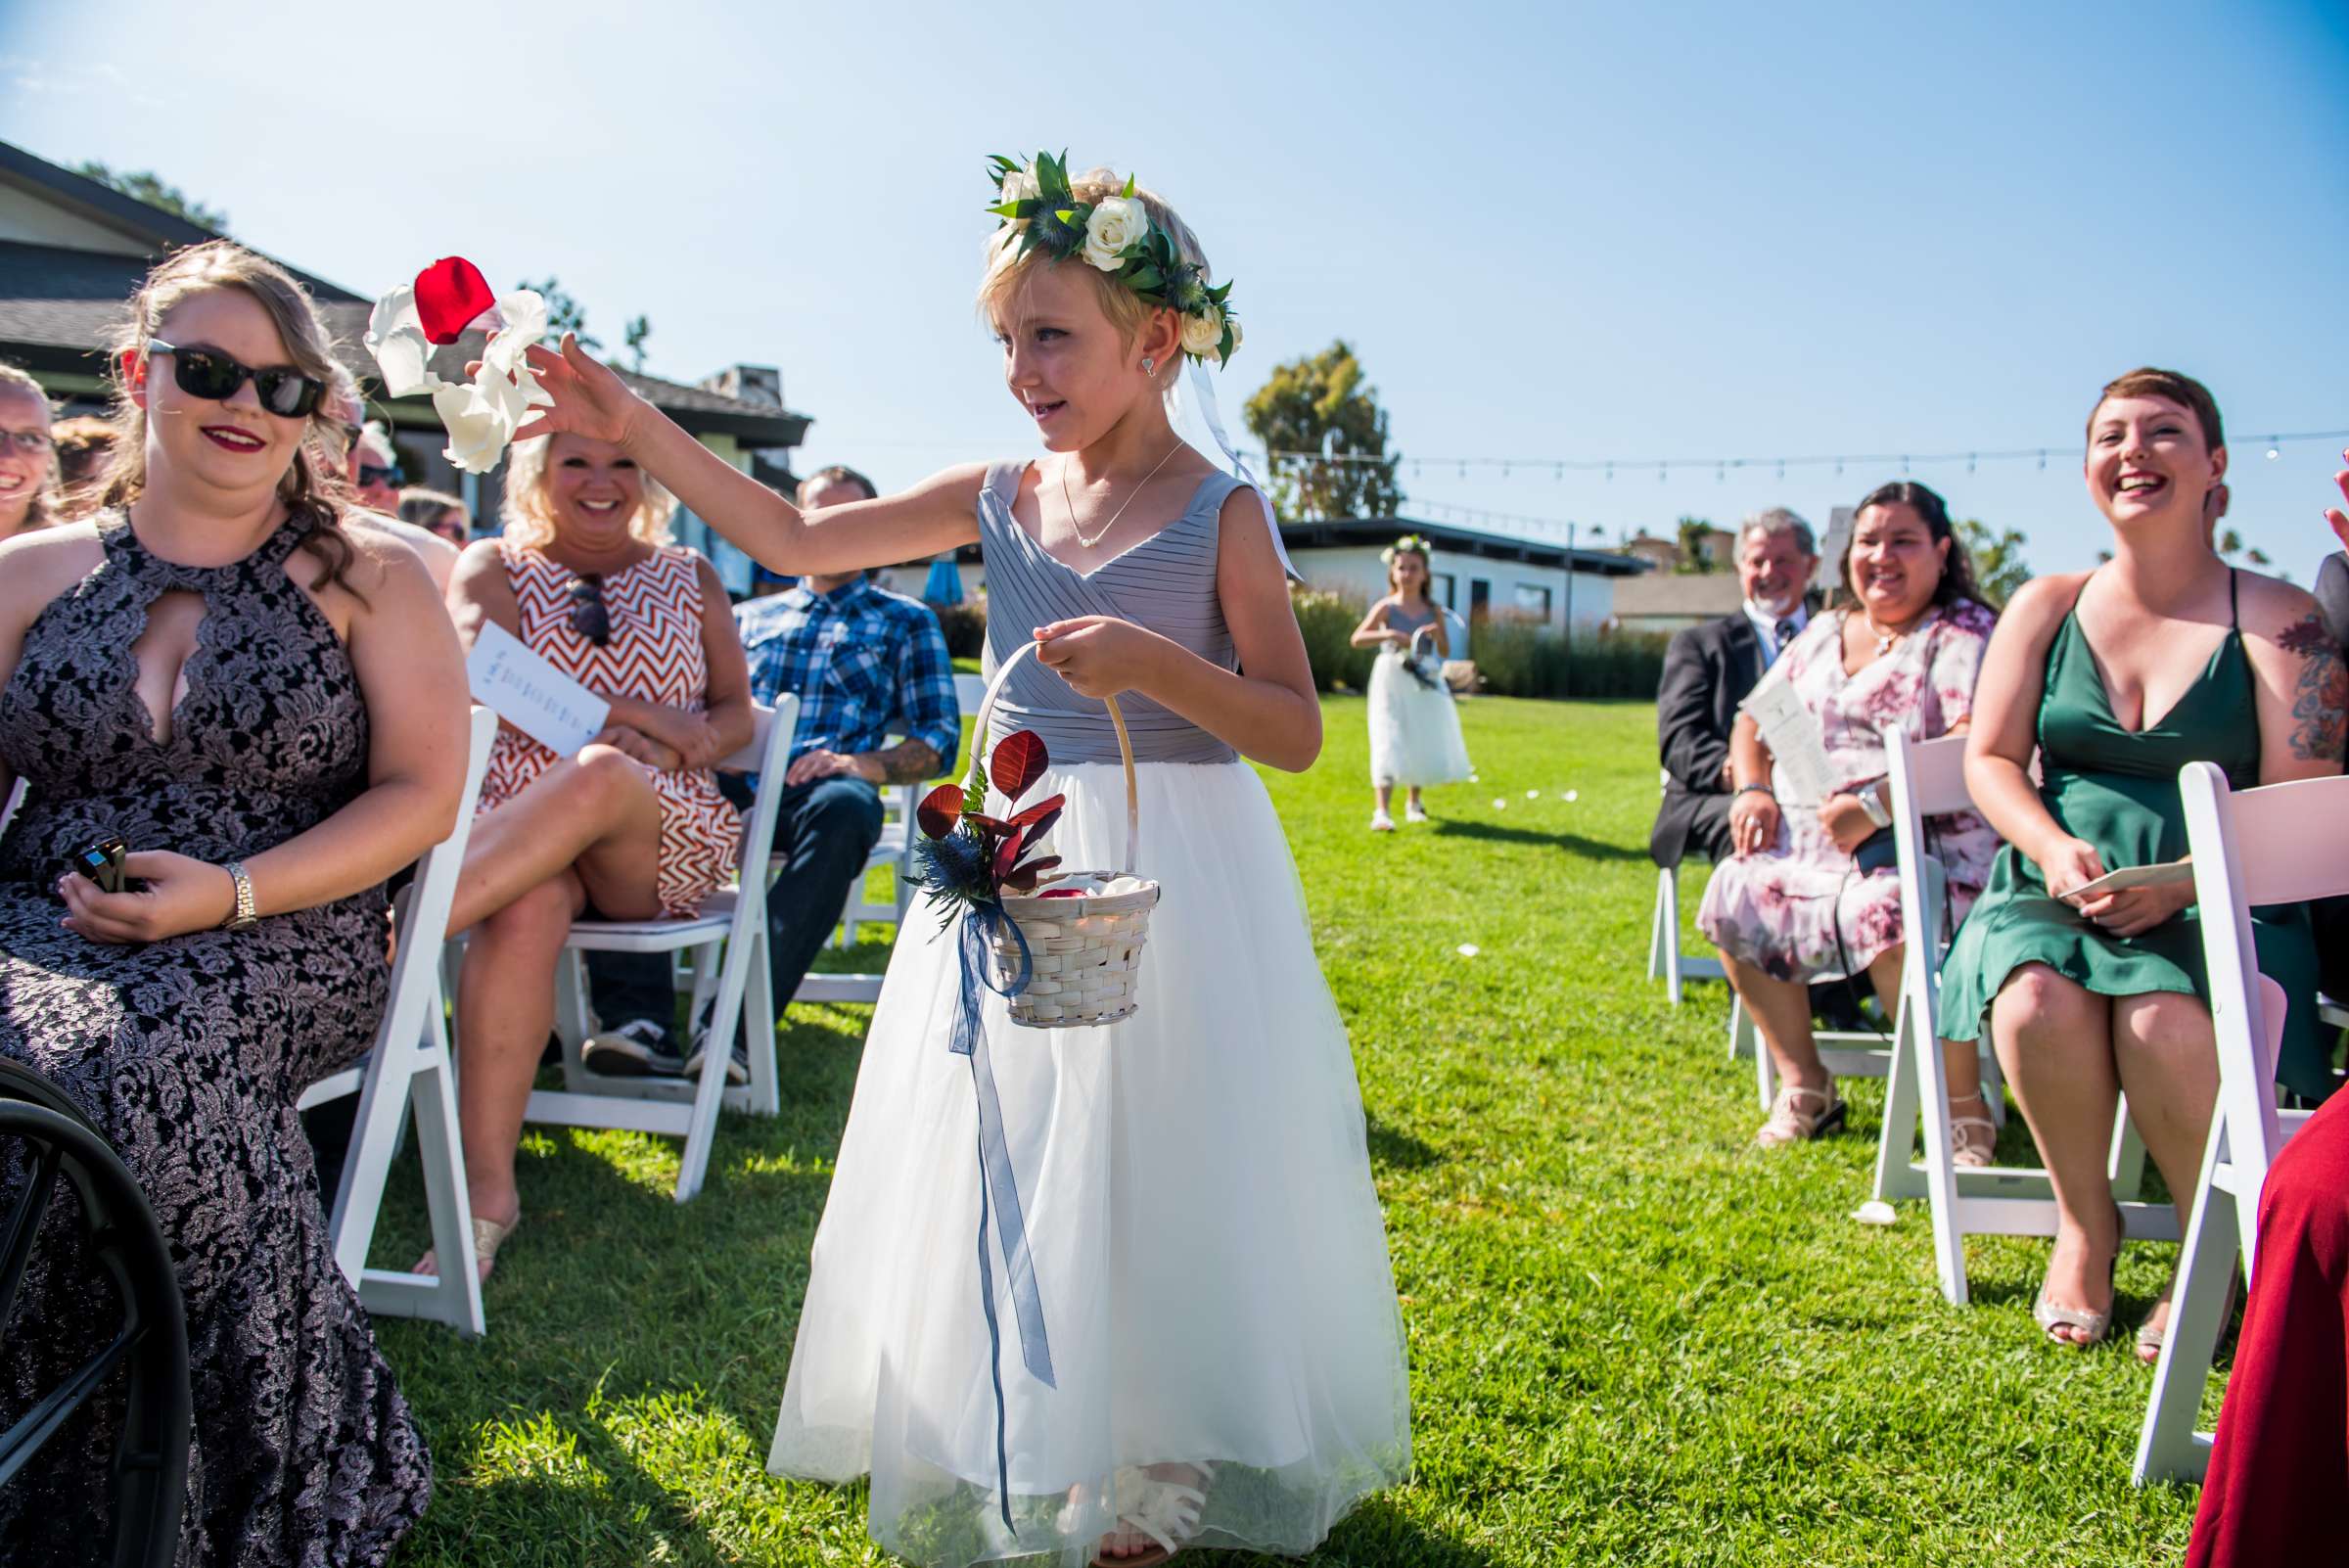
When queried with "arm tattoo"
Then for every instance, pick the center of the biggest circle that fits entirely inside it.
(2321, 697)
(907, 762)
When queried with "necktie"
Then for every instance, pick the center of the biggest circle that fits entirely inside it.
(1784, 633)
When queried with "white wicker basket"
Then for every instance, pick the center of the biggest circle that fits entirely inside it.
(1087, 951)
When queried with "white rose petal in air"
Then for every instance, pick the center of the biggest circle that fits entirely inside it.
(395, 338)
(1116, 223)
(1203, 335)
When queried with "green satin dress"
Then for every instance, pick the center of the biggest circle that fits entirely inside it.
(2117, 788)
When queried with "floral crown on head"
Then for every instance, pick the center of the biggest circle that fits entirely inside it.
(1409, 542)
(1117, 235)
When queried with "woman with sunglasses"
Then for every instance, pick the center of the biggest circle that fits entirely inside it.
(263, 702)
(631, 827)
(28, 497)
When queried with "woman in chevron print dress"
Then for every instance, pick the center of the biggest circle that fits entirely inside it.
(631, 827)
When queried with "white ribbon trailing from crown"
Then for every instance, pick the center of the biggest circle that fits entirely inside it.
(480, 415)
(1196, 419)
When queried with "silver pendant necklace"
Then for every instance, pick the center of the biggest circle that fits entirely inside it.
(1077, 529)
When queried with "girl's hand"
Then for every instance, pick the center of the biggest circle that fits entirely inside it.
(589, 399)
(1753, 823)
(1847, 822)
(2133, 912)
(182, 894)
(1099, 656)
(2334, 515)
(2068, 864)
(636, 744)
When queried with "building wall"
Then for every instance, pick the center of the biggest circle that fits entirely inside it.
(1357, 571)
(30, 218)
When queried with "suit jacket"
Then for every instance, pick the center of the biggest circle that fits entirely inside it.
(1708, 670)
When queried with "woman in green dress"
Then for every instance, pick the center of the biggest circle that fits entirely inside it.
(2118, 677)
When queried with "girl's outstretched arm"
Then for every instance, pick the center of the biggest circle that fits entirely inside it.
(1268, 711)
(939, 514)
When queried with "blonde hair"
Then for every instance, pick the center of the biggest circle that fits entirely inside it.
(1008, 271)
(528, 515)
(309, 486)
(47, 505)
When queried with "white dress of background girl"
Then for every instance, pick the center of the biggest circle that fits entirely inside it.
(1207, 1245)
(1414, 726)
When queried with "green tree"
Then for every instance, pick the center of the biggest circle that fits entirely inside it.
(564, 313)
(2230, 545)
(1998, 565)
(1694, 562)
(146, 186)
(1312, 412)
(635, 333)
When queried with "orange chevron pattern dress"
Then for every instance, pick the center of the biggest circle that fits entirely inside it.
(653, 654)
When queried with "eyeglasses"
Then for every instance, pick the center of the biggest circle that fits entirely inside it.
(214, 376)
(32, 442)
(369, 473)
(589, 615)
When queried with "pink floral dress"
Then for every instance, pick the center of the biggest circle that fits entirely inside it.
(1782, 909)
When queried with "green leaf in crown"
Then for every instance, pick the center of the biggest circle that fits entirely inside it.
(1117, 235)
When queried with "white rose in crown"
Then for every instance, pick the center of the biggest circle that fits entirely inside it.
(1116, 224)
(1203, 335)
(446, 299)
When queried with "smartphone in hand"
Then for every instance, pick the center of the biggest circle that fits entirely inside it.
(101, 864)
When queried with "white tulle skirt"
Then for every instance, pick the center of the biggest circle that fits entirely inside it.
(1414, 732)
(1207, 1245)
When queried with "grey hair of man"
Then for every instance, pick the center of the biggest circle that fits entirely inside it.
(1779, 520)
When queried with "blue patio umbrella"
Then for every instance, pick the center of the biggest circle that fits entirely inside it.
(944, 584)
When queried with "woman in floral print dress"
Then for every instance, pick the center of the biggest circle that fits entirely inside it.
(1901, 652)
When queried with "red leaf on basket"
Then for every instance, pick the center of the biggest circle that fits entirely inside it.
(1007, 855)
(1023, 878)
(1040, 810)
(940, 810)
(1037, 829)
(449, 294)
(1020, 760)
(990, 828)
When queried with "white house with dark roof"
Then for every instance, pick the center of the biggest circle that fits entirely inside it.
(73, 250)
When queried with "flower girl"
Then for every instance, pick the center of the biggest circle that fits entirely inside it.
(1414, 730)
(1187, 1332)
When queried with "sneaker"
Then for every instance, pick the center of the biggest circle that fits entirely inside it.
(738, 1065)
(1414, 813)
(637, 1048)
(1381, 823)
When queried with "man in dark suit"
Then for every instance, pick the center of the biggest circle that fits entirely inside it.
(1709, 669)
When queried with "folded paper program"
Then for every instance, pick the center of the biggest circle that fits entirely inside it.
(480, 415)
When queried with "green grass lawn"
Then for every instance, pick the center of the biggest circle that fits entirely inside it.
(1633, 1339)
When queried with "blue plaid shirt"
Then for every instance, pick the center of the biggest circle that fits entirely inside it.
(866, 663)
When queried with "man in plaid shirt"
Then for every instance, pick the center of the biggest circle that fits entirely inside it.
(867, 664)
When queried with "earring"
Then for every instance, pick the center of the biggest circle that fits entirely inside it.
(1149, 366)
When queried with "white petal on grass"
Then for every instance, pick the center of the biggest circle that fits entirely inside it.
(1572, 796)
(1500, 802)
(1876, 1212)
(1468, 949)
(1533, 795)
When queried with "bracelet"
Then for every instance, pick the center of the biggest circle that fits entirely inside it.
(1757, 789)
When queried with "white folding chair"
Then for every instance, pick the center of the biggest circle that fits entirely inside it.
(891, 852)
(727, 937)
(2277, 844)
(409, 1066)
(1928, 779)
(1664, 958)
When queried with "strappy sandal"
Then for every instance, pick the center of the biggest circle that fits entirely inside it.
(487, 1236)
(2051, 1315)
(1973, 1140)
(2152, 1336)
(1167, 1511)
(1790, 1123)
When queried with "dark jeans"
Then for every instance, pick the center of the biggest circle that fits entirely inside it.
(823, 832)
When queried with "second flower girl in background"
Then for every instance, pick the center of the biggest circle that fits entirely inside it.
(1414, 730)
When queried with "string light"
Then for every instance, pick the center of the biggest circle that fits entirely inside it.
(2273, 453)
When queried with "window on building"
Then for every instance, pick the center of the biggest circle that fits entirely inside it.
(1440, 588)
(1480, 598)
(1533, 600)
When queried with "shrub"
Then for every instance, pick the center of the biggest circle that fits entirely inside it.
(1518, 659)
(965, 626)
(1327, 621)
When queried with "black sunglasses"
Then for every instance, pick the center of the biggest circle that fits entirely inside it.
(369, 473)
(214, 376)
(589, 615)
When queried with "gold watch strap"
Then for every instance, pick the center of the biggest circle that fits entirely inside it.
(246, 912)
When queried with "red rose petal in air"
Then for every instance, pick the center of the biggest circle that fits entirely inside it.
(940, 810)
(450, 294)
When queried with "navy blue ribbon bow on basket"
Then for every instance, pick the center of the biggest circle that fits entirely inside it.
(1091, 946)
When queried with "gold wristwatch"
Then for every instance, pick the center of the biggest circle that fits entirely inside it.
(246, 914)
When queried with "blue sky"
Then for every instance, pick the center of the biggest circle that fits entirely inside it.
(1550, 231)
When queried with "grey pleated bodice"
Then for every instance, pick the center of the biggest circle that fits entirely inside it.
(1167, 584)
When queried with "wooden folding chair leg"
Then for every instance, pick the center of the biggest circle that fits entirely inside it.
(2169, 1447)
